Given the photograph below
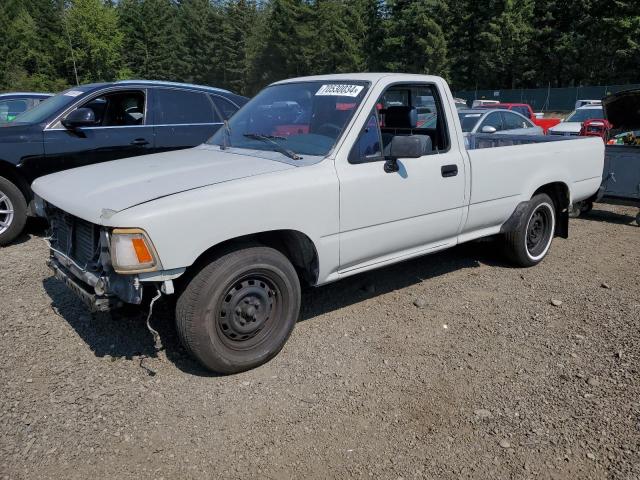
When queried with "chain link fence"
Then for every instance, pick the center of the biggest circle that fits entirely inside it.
(545, 99)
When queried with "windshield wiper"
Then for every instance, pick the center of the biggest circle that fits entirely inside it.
(271, 139)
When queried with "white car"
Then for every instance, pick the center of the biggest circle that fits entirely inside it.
(573, 123)
(348, 184)
(583, 103)
(486, 120)
(483, 103)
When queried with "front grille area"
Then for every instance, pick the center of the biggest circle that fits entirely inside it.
(564, 134)
(74, 237)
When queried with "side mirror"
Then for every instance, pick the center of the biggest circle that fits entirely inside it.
(81, 117)
(489, 129)
(406, 146)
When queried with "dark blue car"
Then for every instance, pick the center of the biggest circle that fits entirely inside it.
(97, 123)
(13, 104)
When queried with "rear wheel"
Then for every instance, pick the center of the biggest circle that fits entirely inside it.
(13, 211)
(239, 310)
(530, 242)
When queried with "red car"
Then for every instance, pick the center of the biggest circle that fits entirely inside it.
(596, 127)
(526, 110)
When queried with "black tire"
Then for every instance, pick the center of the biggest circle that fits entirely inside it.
(529, 243)
(239, 310)
(576, 210)
(11, 200)
(586, 206)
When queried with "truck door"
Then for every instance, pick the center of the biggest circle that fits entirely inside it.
(122, 130)
(420, 207)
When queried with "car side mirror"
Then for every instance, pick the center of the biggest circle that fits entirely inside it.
(489, 129)
(406, 146)
(81, 117)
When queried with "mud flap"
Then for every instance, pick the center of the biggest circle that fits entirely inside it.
(562, 224)
(518, 216)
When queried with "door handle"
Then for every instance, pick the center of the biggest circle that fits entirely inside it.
(140, 142)
(449, 170)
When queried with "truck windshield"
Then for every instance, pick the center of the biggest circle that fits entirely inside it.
(295, 119)
(44, 110)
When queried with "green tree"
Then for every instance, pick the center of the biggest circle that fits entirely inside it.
(335, 31)
(95, 38)
(200, 23)
(415, 42)
(30, 51)
(287, 38)
(233, 56)
(153, 45)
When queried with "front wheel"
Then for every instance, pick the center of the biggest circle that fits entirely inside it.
(530, 242)
(239, 310)
(13, 211)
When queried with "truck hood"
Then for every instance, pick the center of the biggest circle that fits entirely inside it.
(96, 192)
(566, 127)
(622, 109)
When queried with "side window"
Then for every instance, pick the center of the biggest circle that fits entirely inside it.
(118, 109)
(367, 148)
(413, 109)
(10, 109)
(224, 106)
(513, 121)
(180, 107)
(494, 120)
(522, 111)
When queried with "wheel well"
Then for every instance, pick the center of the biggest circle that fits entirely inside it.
(10, 172)
(296, 246)
(559, 193)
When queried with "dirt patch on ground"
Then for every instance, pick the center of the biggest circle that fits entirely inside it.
(450, 366)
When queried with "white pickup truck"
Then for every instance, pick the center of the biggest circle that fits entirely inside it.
(314, 180)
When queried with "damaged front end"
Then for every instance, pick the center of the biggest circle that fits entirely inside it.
(80, 257)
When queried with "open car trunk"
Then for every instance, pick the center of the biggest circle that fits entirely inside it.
(621, 175)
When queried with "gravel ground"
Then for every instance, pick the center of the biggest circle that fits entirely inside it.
(450, 366)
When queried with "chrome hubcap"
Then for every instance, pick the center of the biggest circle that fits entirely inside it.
(6, 212)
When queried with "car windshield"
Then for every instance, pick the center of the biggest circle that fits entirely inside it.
(584, 114)
(295, 119)
(468, 120)
(45, 109)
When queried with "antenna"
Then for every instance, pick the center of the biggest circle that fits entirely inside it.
(73, 57)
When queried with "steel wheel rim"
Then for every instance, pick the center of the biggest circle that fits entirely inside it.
(6, 212)
(539, 231)
(249, 311)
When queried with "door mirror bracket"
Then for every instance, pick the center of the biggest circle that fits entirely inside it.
(391, 165)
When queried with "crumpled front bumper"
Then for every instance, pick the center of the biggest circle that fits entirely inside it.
(95, 302)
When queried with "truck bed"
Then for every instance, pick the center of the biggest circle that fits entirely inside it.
(476, 141)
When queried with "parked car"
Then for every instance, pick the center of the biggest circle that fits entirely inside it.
(621, 174)
(482, 103)
(13, 104)
(573, 123)
(484, 120)
(584, 103)
(233, 227)
(526, 110)
(100, 122)
(460, 103)
(596, 127)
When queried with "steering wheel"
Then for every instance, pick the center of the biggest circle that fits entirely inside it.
(329, 129)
